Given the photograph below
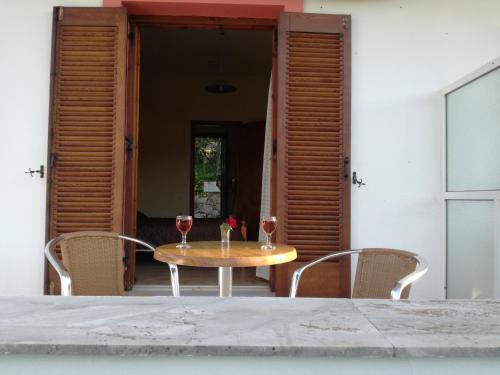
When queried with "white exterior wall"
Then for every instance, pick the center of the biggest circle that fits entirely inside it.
(24, 109)
(403, 53)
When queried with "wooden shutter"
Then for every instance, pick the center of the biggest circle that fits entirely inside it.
(313, 139)
(87, 121)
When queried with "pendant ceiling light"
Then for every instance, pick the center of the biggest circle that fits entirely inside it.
(220, 86)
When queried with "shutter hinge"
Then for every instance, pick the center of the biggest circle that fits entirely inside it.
(52, 161)
(345, 22)
(60, 13)
(346, 167)
(126, 263)
(126, 257)
(129, 147)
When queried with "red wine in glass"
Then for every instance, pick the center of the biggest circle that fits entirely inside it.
(268, 224)
(183, 224)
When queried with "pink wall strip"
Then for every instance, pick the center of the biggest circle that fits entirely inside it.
(268, 9)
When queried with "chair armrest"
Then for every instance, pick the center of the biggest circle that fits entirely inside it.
(174, 272)
(53, 259)
(136, 240)
(298, 272)
(421, 269)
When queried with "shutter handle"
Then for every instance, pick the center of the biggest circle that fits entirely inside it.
(41, 171)
(355, 180)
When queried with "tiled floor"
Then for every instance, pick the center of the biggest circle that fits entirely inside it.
(158, 274)
(200, 290)
(152, 272)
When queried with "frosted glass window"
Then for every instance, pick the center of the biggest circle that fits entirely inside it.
(470, 249)
(473, 135)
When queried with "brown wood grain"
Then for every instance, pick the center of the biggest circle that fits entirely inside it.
(313, 133)
(131, 160)
(212, 254)
(87, 122)
(345, 262)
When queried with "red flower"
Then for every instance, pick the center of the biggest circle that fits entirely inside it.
(231, 221)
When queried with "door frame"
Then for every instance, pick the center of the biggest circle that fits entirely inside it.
(132, 100)
(131, 150)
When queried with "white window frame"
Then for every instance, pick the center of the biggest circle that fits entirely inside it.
(488, 195)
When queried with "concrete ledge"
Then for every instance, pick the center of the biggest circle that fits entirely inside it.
(452, 328)
(207, 326)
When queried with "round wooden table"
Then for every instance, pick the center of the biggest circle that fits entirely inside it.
(213, 254)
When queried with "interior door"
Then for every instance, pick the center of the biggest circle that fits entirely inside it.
(249, 180)
(87, 123)
(313, 149)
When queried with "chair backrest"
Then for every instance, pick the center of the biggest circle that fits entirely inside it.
(94, 261)
(379, 270)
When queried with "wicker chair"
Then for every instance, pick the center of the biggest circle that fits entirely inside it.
(92, 263)
(380, 273)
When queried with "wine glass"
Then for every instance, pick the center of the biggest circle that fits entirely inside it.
(268, 224)
(183, 224)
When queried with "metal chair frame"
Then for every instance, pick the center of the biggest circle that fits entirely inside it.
(396, 291)
(65, 277)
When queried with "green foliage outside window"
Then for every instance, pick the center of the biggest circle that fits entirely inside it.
(207, 166)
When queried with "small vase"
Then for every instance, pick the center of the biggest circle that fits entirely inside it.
(224, 236)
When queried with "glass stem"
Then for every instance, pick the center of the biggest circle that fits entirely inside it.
(183, 238)
(268, 243)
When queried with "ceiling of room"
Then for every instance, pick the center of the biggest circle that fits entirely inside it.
(207, 52)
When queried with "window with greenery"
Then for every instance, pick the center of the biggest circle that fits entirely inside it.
(208, 176)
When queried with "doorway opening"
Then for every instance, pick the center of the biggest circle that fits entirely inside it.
(202, 116)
